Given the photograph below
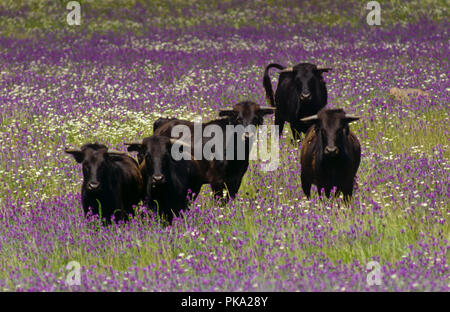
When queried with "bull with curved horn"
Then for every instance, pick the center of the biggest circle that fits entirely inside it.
(301, 92)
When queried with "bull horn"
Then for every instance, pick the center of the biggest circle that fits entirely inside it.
(114, 152)
(173, 141)
(72, 150)
(310, 118)
(287, 70)
(324, 68)
(268, 107)
(227, 112)
(350, 118)
(133, 143)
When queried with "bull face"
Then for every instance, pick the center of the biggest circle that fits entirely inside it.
(331, 126)
(306, 77)
(154, 153)
(94, 159)
(247, 113)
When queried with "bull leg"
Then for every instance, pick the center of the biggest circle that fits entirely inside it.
(105, 209)
(118, 211)
(326, 188)
(168, 216)
(233, 188)
(176, 211)
(319, 190)
(296, 129)
(86, 205)
(279, 122)
(120, 207)
(217, 189)
(306, 186)
(128, 209)
(328, 192)
(166, 207)
(348, 192)
(180, 204)
(194, 193)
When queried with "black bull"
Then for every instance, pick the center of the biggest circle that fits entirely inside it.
(301, 92)
(330, 154)
(169, 183)
(111, 181)
(222, 174)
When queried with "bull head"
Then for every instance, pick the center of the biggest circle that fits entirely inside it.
(331, 127)
(247, 113)
(303, 76)
(79, 154)
(94, 158)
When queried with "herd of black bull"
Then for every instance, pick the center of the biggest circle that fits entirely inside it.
(113, 181)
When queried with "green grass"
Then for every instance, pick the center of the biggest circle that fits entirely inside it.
(50, 16)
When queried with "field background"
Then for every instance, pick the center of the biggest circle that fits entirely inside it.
(130, 62)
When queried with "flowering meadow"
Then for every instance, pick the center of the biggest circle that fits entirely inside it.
(131, 62)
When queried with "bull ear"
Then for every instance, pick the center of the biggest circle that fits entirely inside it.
(351, 118)
(312, 118)
(76, 153)
(227, 112)
(135, 146)
(266, 111)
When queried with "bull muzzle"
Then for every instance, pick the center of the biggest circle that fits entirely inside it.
(247, 135)
(331, 151)
(305, 96)
(158, 179)
(93, 186)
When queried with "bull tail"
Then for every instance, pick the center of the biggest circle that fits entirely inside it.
(268, 84)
